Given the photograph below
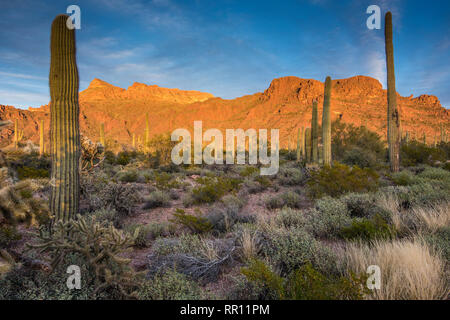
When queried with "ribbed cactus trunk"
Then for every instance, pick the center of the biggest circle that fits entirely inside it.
(314, 135)
(299, 143)
(64, 122)
(102, 134)
(326, 123)
(303, 151)
(41, 139)
(424, 138)
(134, 141)
(147, 134)
(308, 145)
(393, 117)
(407, 137)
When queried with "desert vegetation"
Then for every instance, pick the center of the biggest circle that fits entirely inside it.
(140, 227)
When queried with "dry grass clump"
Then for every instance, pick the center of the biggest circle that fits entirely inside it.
(409, 269)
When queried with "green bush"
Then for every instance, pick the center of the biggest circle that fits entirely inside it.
(328, 217)
(403, 178)
(290, 176)
(212, 189)
(194, 223)
(291, 248)
(249, 171)
(356, 145)
(376, 228)
(128, 176)
(305, 283)
(170, 285)
(156, 199)
(340, 179)
(25, 172)
(289, 199)
(415, 153)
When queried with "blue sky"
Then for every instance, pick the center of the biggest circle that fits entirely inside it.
(225, 47)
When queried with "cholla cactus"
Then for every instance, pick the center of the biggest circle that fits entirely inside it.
(101, 246)
(92, 154)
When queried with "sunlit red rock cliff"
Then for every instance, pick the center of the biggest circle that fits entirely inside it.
(285, 105)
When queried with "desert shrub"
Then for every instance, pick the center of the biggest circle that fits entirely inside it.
(291, 248)
(410, 270)
(340, 179)
(161, 147)
(31, 166)
(195, 224)
(288, 218)
(362, 158)
(446, 166)
(290, 176)
(328, 217)
(25, 172)
(360, 204)
(212, 189)
(440, 242)
(403, 178)
(357, 145)
(415, 153)
(249, 171)
(128, 176)
(165, 181)
(225, 215)
(156, 199)
(289, 199)
(369, 229)
(199, 258)
(123, 158)
(305, 283)
(170, 285)
(435, 174)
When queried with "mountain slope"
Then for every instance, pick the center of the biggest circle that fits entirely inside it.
(285, 105)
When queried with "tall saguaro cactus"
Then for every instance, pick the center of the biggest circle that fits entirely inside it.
(308, 145)
(133, 143)
(393, 117)
(64, 121)
(41, 138)
(299, 143)
(326, 123)
(314, 135)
